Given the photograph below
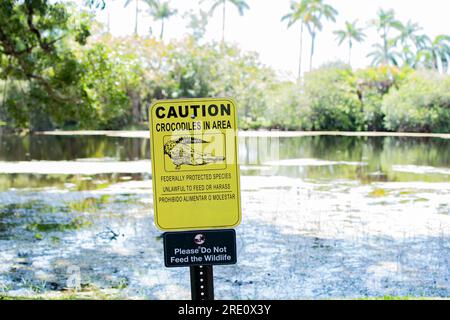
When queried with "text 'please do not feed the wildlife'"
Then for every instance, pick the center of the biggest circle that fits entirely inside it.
(207, 247)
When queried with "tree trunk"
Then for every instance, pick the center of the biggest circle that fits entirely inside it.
(108, 22)
(136, 18)
(2, 107)
(162, 29)
(313, 39)
(135, 105)
(300, 54)
(435, 62)
(223, 23)
(350, 45)
(385, 48)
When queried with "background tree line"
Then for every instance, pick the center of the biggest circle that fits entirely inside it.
(60, 69)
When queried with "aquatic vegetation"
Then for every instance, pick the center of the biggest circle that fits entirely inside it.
(127, 198)
(98, 294)
(38, 236)
(378, 193)
(121, 284)
(444, 208)
(74, 224)
(29, 207)
(55, 240)
(89, 182)
(89, 204)
(387, 297)
(6, 226)
(5, 287)
(406, 192)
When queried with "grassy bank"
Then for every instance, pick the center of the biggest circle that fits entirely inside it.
(116, 296)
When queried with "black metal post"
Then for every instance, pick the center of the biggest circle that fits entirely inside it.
(202, 283)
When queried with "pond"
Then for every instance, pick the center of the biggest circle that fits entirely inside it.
(323, 217)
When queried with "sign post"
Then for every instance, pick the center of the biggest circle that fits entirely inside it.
(202, 282)
(196, 185)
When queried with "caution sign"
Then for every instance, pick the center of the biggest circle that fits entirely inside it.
(195, 168)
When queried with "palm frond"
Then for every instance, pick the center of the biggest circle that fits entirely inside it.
(214, 6)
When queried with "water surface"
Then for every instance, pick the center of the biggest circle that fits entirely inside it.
(323, 216)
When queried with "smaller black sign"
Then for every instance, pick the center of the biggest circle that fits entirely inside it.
(204, 247)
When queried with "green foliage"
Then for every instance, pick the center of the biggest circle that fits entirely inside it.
(188, 69)
(311, 14)
(97, 4)
(285, 106)
(433, 54)
(161, 11)
(351, 33)
(53, 74)
(332, 103)
(421, 104)
(244, 77)
(408, 39)
(74, 224)
(401, 45)
(103, 82)
(371, 86)
(384, 53)
(38, 63)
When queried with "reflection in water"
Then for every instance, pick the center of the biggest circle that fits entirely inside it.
(364, 159)
(15, 148)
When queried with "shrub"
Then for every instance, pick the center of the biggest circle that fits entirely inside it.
(186, 69)
(371, 85)
(285, 106)
(332, 103)
(421, 104)
(104, 82)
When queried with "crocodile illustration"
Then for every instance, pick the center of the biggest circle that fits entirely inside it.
(183, 152)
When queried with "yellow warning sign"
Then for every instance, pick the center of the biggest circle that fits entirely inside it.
(195, 169)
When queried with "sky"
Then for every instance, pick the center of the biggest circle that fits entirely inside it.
(261, 29)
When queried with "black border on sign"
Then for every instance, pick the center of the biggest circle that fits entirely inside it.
(238, 193)
(167, 264)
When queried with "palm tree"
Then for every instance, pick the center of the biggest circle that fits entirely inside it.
(385, 22)
(241, 5)
(150, 3)
(408, 32)
(318, 10)
(385, 54)
(298, 13)
(435, 53)
(408, 40)
(136, 12)
(162, 11)
(350, 32)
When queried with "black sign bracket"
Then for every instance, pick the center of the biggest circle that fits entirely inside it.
(202, 282)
